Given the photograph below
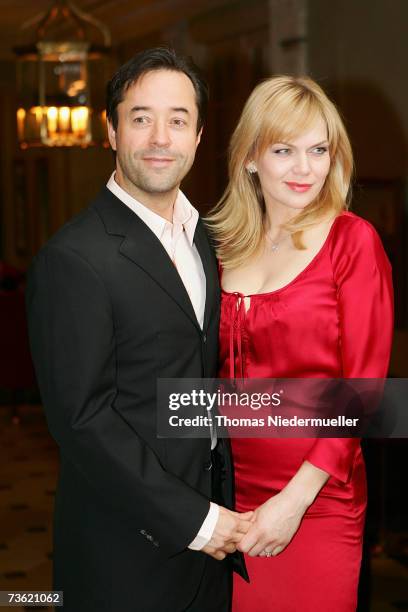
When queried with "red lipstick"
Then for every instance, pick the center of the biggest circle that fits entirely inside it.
(299, 187)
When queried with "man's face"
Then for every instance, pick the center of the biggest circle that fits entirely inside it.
(156, 138)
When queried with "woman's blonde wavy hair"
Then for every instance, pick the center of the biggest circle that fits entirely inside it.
(278, 110)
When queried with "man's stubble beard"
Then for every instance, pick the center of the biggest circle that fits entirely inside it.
(153, 181)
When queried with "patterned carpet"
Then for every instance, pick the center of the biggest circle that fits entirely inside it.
(28, 470)
(29, 464)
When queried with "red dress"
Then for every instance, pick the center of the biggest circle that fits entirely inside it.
(333, 320)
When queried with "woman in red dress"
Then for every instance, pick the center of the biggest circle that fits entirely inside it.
(306, 294)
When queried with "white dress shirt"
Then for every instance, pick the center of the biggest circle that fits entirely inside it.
(178, 240)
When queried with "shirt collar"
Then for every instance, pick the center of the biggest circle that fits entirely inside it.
(184, 212)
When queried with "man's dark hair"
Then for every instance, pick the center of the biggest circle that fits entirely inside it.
(158, 58)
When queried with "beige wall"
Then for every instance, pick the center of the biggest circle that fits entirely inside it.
(359, 50)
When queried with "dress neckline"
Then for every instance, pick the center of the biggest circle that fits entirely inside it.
(300, 274)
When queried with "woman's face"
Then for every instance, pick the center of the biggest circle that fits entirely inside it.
(293, 173)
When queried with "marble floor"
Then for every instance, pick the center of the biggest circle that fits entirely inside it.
(28, 470)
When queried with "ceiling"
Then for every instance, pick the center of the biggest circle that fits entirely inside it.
(126, 19)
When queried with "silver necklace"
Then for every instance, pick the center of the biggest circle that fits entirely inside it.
(275, 244)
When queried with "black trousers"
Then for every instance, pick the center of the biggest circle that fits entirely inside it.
(215, 590)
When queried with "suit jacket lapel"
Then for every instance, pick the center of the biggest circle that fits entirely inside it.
(142, 247)
(210, 270)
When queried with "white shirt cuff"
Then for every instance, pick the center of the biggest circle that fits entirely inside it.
(207, 528)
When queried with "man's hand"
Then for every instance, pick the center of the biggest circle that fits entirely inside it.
(229, 530)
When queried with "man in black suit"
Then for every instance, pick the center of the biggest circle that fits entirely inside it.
(124, 294)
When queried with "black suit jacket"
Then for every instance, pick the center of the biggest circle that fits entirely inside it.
(108, 315)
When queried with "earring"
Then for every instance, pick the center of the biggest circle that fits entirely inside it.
(251, 167)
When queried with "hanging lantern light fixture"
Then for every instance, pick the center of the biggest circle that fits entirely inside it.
(61, 76)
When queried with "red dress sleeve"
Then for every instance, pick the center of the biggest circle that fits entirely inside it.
(362, 275)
